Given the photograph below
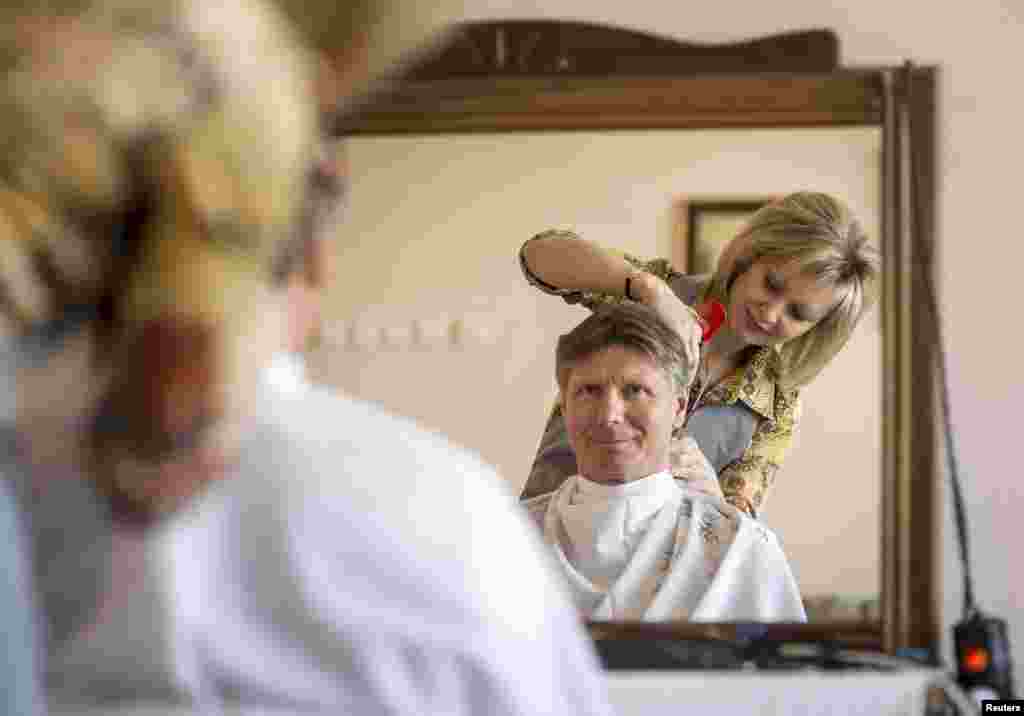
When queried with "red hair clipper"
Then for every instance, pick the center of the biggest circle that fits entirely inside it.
(712, 316)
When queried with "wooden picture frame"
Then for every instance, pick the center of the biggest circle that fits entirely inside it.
(706, 226)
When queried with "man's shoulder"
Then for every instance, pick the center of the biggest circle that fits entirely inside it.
(320, 420)
(394, 549)
(538, 501)
(723, 521)
(324, 454)
(325, 446)
(714, 514)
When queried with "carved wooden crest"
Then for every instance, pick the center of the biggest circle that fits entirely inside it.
(531, 47)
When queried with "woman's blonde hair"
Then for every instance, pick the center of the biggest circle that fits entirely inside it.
(823, 236)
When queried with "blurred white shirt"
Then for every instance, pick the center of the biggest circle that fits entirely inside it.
(286, 372)
(354, 564)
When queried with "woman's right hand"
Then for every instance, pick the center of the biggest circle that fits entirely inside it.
(652, 291)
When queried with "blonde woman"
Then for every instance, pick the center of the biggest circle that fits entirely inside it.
(795, 283)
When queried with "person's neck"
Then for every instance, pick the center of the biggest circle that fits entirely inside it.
(621, 481)
(722, 355)
(726, 344)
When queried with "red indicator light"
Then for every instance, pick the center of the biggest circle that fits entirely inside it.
(975, 659)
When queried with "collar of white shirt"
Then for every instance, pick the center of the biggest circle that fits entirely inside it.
(287, 373)
(602, 524)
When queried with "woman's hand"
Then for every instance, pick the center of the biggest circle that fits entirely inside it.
(652, 291)
(689, 465)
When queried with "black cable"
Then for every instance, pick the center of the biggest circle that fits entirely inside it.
(931, 302)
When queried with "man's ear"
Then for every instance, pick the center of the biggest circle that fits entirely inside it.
(329, 190)
(316, 262)
(680, 416)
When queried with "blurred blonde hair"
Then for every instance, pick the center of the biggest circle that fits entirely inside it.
(823, 236)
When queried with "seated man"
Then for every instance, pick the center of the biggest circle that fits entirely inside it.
(632, 542)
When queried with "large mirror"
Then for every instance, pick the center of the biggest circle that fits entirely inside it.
(656, 148)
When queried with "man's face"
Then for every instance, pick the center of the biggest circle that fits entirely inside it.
(620, 408)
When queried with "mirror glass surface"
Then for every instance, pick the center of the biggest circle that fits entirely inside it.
(436, 322)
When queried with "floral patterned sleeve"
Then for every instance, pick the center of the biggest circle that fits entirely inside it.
(746, 481)
(592, 299)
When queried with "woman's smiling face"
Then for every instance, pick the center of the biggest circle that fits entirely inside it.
(620, 408)
(774, 301)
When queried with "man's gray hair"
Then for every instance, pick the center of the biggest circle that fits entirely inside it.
(631, 325)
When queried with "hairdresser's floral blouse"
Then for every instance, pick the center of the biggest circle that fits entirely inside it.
(745, 481)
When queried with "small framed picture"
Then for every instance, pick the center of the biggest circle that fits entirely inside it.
(706, 226)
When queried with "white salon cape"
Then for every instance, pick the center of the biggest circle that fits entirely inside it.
(648, 550)
(355, 564)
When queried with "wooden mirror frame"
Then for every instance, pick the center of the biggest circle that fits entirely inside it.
(541, 75)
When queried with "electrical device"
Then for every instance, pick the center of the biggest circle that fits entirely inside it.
(984, 668)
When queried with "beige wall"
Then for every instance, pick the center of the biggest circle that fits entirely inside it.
(440, 220)
(978, 48)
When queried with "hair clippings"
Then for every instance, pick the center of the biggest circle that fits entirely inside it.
(712, 316)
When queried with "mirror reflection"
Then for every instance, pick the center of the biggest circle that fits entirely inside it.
(632, 539)
(439, 301)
